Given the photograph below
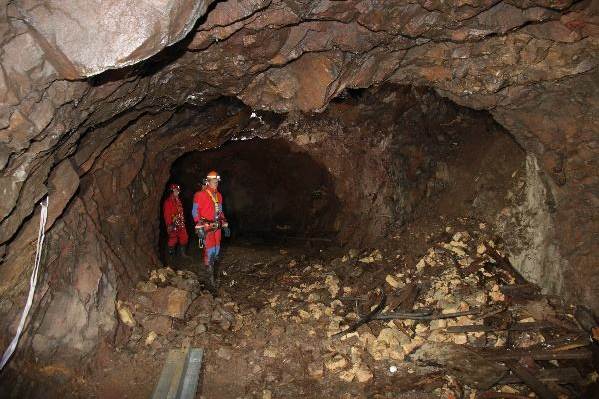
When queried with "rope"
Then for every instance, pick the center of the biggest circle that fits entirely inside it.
(32, 283)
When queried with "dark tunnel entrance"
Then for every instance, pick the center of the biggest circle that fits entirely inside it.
(272, 190)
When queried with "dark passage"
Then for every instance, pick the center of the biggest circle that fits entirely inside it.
(272, 190)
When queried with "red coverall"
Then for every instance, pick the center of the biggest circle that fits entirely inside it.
(175, 221)
(207, 208)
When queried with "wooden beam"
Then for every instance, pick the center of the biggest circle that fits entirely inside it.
(531, 380)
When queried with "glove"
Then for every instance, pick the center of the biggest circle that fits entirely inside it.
(227, 231)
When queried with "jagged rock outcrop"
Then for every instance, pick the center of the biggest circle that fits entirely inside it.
(531, 64)
(84, 38)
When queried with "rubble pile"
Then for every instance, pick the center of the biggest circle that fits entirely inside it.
(459, 309)
(171, 308)
(457, 322)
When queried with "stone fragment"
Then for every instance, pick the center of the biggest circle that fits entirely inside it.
(315, 369)
(125, 314)
(496, 295)
(178, 302)
(393, 282)
(347, 375)
(270, 352)
(374, 256)
(158, 323)
(146, 286)
(409, 347)
(224, 353)
(480, 249)
(460, 339)
(336, 363)
(332, 283)
(363, 373)
(150, 338)
(200, 328)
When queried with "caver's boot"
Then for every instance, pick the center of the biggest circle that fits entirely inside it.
(171, 255)
(211, 276)
(183, 252)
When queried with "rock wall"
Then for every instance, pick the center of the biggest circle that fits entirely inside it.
(528, 230)
(532, 65)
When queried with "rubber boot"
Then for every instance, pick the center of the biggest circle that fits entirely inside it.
(183, 252)
(171, 254)
(211, 275)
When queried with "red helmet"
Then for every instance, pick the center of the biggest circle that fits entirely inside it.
(174, 186)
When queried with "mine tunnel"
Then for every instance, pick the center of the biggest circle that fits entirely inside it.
(411, 192)
(273, 190)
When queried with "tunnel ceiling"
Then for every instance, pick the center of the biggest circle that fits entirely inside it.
(74, 84)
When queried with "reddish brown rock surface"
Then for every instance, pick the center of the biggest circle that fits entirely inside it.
(88, 143)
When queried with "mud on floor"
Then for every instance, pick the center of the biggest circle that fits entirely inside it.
(452, 324)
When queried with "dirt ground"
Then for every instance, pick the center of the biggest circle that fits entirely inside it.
(268, 331)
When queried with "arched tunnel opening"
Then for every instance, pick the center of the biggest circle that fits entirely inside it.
(273, 191)
(411, 191)
(391, 206)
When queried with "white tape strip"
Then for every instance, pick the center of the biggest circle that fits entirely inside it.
(32, 283)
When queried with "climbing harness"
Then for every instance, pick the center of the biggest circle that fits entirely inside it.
(32, 283)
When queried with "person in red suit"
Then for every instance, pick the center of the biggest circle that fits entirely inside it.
(174, 219)
(210, 220)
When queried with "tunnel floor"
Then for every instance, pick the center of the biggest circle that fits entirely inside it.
(268, 331)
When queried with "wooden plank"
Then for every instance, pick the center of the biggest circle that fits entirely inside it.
(405, 299)
(370, 316)
(565, 375)
(507, 355)
(529, 379)
(483, 328)
(469, 367)
(423, 315)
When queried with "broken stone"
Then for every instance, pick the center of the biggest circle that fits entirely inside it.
(332, 283)
(420, 265)
(270, 352)
(393, 282)
(438, 324)
(363, 373)
(460, 339)
(315, 369)
(347, 375)
(303, 314)
(158, 323)
(200, 328)
(387, 345)
(224, 353)
(410, 346)
(146, 286)
(266, 394)
(150, 338)
(125, 314)
(336, 363)
(178, 302)
(373, 257)
(496, 295)
(480, 249)
(421, 329)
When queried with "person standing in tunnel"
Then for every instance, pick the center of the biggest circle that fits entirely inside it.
(175, 221)
(210, 220)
